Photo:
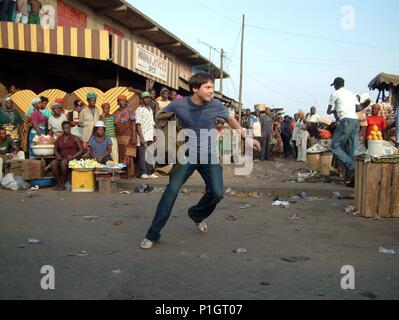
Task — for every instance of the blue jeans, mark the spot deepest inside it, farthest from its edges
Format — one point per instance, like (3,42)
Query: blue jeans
(213,177)
(347,131)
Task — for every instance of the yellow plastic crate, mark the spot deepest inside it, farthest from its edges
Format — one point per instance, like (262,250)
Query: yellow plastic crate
(83,181)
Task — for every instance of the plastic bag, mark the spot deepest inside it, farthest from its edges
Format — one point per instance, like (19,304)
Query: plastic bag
(14,183)
(361,150)
(388,149)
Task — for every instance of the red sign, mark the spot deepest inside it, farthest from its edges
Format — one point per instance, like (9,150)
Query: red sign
(114,31)
(69,16)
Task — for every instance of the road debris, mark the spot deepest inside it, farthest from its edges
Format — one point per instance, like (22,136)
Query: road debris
(124,192)
(118,222)
(240,251)
(92,218)
(34,241)
(295,259)
(265,283)
(387,251)
(118,271)
(352,210)
(296,217)
(233,217)
(282,204)
(110,252)
(83,253)
(337,195)
(369,295)
(245,205)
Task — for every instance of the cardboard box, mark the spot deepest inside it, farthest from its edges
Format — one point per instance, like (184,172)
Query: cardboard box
(32,169)
(15,168)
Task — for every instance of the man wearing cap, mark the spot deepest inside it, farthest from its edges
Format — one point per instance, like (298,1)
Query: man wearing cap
(343,104)
(88,117)
(145,135)
(163,100)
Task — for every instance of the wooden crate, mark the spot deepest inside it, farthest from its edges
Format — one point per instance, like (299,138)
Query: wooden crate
(377,189)
(107,181)
(106,185)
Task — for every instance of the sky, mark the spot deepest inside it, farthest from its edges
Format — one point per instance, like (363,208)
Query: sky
(293,49)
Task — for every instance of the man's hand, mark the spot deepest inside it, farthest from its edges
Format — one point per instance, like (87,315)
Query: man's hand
(9,156)
(253,143)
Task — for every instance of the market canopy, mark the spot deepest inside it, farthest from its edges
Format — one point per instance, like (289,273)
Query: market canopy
(384,81)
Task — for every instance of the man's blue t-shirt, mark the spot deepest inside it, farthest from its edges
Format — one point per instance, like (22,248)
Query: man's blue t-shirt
(201,120)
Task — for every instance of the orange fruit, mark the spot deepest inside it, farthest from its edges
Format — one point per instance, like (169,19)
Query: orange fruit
(375,128)
(370,137)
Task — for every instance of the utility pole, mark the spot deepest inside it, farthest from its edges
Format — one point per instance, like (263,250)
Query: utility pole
(221,71)
(241,68)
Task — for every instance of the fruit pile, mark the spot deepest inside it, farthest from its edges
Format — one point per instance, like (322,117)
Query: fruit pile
(84,164)
(375,134)
(43,139)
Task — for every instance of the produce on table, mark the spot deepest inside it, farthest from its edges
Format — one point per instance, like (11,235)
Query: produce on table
(375,134)
(42,139)
(84,164)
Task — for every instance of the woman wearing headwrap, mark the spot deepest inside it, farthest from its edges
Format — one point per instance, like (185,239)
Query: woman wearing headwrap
(38,122)
(126,133)
(56,120)
(43,108)
(88,117)
(10,119)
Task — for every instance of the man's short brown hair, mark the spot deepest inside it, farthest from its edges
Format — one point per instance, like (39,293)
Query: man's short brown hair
(199,79)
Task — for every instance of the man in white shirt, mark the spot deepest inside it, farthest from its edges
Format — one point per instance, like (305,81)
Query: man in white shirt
(343,105)
(313,127)
(145,135)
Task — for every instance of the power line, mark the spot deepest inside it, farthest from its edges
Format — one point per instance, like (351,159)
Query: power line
(368,65)
(297,34)
(215,12)
(322,38)
(234,46)
(275,90)
(260,57)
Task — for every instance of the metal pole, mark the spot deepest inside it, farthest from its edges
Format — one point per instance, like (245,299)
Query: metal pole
(117,76)
(221,71)
(241,68)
